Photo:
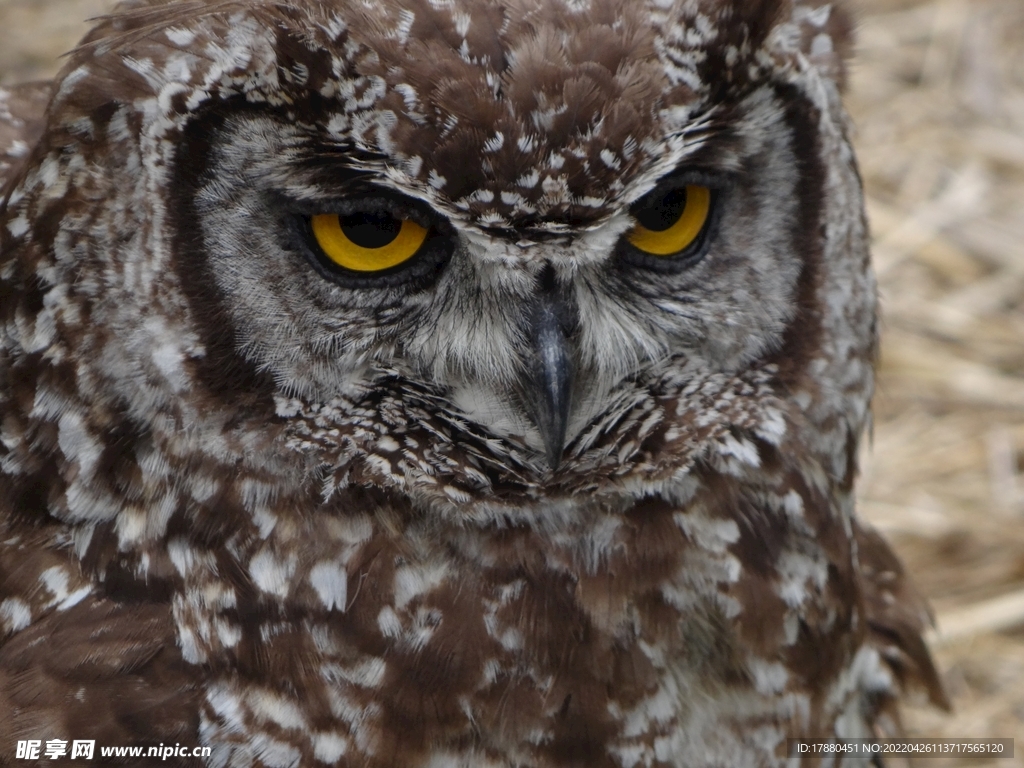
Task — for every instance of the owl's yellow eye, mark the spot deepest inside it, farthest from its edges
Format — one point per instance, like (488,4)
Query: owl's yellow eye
(367,241)
(671,223)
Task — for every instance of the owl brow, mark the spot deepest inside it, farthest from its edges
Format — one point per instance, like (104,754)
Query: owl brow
(334,167)
(704,174)
(709,138)
(715,160)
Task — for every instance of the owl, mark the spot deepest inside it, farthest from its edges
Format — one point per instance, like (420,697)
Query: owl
(442,384)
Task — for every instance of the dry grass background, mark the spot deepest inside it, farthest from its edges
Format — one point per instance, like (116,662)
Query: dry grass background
(938,98)
(937,93)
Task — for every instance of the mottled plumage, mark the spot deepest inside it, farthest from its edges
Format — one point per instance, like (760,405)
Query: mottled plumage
(313,519)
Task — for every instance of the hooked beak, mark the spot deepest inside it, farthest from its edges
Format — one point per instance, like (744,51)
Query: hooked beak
(552,366)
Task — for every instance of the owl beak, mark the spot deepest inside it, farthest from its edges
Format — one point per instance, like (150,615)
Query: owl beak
(552,367)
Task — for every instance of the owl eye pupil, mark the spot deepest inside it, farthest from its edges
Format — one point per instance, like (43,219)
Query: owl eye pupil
(663,212)
(370,230)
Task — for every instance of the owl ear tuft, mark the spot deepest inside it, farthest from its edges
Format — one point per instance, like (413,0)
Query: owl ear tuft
(826,36)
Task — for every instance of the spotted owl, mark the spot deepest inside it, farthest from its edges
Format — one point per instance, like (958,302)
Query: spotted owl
(442,384)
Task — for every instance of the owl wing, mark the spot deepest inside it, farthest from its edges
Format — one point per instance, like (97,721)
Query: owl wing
(22,111)
(74,662)
(100,670)
(897,616)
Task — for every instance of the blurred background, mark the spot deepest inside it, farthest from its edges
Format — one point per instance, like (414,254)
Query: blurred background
(937,96)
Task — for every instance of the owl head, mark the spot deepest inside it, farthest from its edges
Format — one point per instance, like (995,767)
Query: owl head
(505,244)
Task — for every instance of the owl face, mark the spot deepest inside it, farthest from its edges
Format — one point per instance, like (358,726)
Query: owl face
(533,218)
(526,299)
(528,335)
